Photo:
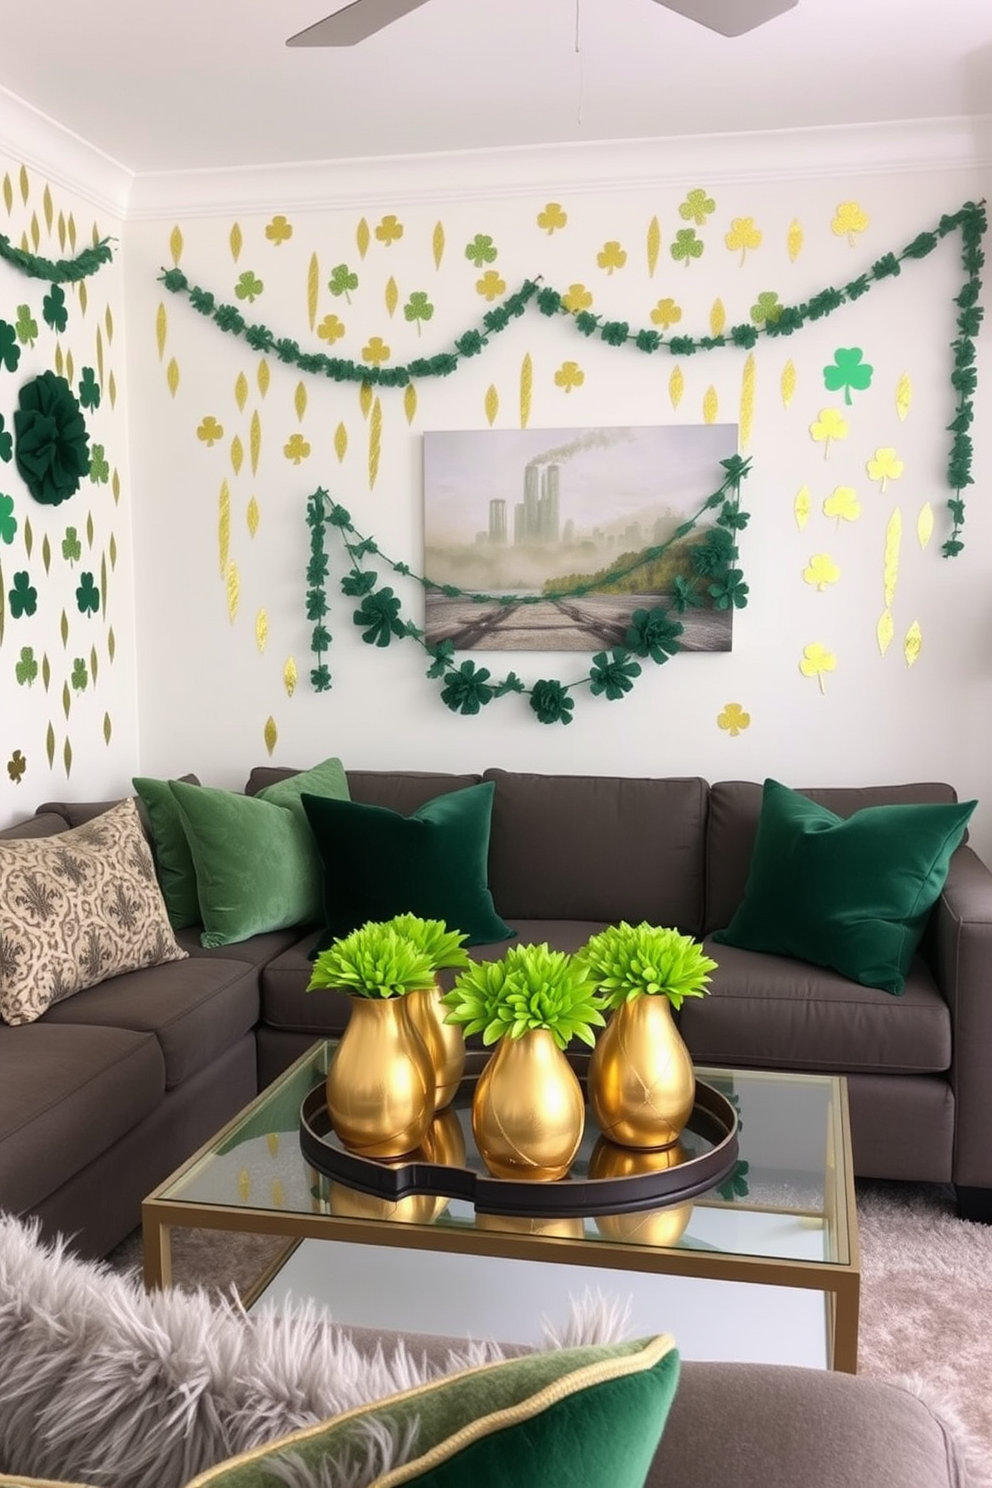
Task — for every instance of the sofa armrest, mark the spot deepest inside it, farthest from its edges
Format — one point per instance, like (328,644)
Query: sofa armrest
(958,947)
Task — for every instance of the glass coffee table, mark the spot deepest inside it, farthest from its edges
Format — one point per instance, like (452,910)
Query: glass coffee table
(763,1266)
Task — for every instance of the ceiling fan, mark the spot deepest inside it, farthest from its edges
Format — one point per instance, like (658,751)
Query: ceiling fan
(362,18)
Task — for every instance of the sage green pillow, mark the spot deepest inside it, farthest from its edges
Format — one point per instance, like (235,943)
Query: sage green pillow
(174,864)
(434,863)
(851,893)
(257,868)
(589,1415)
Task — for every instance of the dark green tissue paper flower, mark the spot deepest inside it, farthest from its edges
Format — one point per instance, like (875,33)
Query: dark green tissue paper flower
(52,445)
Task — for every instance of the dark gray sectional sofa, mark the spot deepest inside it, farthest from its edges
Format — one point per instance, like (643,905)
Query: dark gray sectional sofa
(113,1087)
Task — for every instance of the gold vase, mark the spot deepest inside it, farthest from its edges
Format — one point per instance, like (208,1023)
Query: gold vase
(561,1226)
(527,1110)
(380,1083)
(445,1140)
(445,1042)
(662,1226)
(641,1084)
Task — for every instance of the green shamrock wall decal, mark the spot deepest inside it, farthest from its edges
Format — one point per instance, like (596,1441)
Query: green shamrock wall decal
(26,669)
(6,442)
(342,281)
(848,370)
(87,595)
(8,522)
(23,597)
(89,389)
(10,352)
(53,309)
(27,326)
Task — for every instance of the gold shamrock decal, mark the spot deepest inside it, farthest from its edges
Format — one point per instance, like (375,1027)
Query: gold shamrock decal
(885,466)
(331,329)
(376,351)
(210,431)
(843,504)
(491,286)
(390,230)
(733,719)
(831,424)
(552,217)
(577,297)
(569,375)
(822,571)
(296,448)
(611,257)
(279,230)
(849,221)
(816,662)
(666,313)
(743,235)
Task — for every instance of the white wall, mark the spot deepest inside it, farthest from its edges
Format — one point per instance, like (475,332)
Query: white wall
(208,686)
(60,739)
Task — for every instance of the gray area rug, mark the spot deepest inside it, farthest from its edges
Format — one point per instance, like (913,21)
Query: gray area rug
(926,1301)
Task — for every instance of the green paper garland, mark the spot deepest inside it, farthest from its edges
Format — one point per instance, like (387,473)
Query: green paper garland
(652,635)
(61,271)
(970,219)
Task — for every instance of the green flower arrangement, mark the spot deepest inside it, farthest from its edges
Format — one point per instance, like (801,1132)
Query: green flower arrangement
(373,961)
(630,961)
(531,986)
(443,947)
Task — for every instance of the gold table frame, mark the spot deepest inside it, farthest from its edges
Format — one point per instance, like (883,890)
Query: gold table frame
(839,1279)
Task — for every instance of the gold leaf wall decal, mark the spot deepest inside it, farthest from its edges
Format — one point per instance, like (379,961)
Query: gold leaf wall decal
(237,454)
(362,238)
(290,677)
(913,643)
(83,295)
(300,400)
(893,540)
(108,728)
(48,208)
(264,377)
(161,329)
(252,516)
(111,643)
(794,239)
(172,376)
(50,745)
(46,553)
(113,551)
(313,289)
(224,526)
(711,405)
(28,536)
(237,241)
(653,245)
(71,230)
(802,507)
(375,441)
(255,441)
(340,442)
(46,670)
(270,734)
(94,664)
(99,356)
(112,390)
(69,367)
(59,361)
(526,389)
(8,192)
(35,231)
(24,243)
(492,404)
(115,480)
(66,699)
(108,321)
(924,525)
(25,185)
(89,529)
(233,586)
(392,295)
(747,400)
(904,395)
(241,391)
(788,382)
(437,244)
(884,631)
(67,757)
(410,402)
(261,629)
(365,398)
(176,245)
(676,386)
(61,231)
(718,318)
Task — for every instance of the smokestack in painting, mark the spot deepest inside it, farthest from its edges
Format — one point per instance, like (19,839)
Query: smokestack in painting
(548,515)
(532,480)
(497,520)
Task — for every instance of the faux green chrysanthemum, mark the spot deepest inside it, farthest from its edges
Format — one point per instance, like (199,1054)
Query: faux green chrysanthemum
(444,947)
(628,961)
(530,987)
(373,961)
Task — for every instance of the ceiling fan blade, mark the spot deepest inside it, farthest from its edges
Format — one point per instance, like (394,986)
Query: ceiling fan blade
(730,17)
(353,23)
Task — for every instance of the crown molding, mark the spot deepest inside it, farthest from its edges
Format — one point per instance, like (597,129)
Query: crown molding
(64,159)
(599,168)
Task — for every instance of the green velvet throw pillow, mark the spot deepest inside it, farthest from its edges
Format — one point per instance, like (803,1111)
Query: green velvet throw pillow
(173,860)
(848,893)
(434,863)
(256,865)
(592,1415)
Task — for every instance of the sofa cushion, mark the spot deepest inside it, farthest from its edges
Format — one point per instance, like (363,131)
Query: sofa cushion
(400,790)
(852,893)
(75,908)
(67,1094)
(173,860)
(773,1012)
(590,847)
(196,1010)
(46,822)
(732,825)
(434,862)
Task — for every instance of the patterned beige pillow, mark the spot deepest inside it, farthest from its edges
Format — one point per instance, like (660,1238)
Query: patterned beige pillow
(77,908)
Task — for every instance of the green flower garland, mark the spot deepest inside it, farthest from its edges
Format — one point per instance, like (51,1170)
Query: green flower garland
(971,220)
(654,634)
(60,271)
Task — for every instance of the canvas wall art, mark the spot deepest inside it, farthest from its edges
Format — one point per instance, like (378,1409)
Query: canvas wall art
(521,515)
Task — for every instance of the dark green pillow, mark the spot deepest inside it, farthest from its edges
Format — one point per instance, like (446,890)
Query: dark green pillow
(591,1415)
(434,863)
(848,893)
(256,865)
(173,860)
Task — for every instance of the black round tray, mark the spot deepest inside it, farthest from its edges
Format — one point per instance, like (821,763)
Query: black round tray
(713,1121)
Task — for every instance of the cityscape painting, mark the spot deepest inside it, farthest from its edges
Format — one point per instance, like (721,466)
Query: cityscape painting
(523,514)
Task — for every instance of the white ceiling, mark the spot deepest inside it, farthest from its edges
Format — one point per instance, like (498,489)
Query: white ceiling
(211,83)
